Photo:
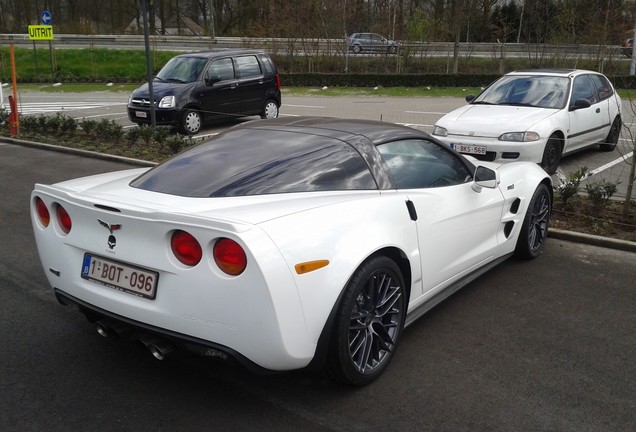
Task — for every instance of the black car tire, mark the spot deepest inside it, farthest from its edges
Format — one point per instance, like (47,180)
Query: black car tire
(551,155)
(270,109)
(534,230)
(392,49)
(357,49)
(612,137)
(191,122)
(368,323)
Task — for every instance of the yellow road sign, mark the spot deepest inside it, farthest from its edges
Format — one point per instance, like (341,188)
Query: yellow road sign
(40,32)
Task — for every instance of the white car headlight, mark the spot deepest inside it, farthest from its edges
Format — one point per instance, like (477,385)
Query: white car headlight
(166,102)
(439,131)
(520,136)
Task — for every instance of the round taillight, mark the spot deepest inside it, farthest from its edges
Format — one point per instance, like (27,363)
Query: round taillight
(186,248)
(43,212)
(230,256)
(64,219)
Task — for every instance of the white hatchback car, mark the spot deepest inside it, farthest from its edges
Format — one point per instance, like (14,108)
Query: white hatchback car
(537,116)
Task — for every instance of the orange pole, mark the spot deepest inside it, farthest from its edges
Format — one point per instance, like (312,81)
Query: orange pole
(15,87)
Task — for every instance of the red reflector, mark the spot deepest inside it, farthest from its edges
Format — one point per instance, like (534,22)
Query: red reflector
(64,219)
(186,248)
(230,256)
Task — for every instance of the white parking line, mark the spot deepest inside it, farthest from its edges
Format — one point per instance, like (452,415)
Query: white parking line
(611,164)
(426,112)
(48,107)
(305,106)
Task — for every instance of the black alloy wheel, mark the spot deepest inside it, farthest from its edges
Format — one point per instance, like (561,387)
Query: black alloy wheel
(534,230)
(368,324)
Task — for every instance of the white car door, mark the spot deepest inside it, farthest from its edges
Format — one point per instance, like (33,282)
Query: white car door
(587,125)
(457,227)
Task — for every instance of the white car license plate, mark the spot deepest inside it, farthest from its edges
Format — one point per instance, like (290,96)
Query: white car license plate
(470,149)
(141,114)
(120,276)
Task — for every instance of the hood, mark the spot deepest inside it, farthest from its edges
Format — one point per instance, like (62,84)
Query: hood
(492,120)
(161,89)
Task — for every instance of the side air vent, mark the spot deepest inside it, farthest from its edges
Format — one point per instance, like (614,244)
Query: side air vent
(508,228)
(514,208)
(107,208)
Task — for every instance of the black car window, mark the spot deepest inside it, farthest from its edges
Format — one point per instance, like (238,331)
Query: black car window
(417,163)
(603,86)
(267,64)
(245,162)
(222,69)
(182,69)
(583,88)
(248,66)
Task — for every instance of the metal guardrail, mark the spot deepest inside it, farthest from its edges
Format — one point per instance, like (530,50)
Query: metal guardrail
(310,46)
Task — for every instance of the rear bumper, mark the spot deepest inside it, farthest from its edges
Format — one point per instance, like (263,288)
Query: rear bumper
(135,330)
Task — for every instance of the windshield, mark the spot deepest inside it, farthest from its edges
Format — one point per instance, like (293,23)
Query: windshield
(529,90)
(182,69)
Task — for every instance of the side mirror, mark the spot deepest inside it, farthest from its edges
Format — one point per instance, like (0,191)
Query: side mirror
(470,98)
(485,178)
(210,80)
(580,103)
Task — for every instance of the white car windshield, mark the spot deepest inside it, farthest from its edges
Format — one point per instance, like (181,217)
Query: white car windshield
(531,91)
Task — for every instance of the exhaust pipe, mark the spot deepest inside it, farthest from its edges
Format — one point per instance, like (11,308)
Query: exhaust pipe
(108,328)
(159,348)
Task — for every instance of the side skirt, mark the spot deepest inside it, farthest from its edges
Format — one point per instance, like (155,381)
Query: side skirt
(450,290)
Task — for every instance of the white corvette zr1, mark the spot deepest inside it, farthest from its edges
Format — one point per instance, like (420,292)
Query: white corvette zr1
(287,243)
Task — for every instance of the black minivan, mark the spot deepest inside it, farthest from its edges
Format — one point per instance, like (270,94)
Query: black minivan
(192,89)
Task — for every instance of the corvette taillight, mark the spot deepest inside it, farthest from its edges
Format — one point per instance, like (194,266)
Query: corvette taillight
(186,248)
(64,220)
(230,256)
(43,212)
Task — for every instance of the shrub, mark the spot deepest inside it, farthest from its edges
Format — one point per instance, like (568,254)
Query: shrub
(570,187)
(68,125)
(600,193)
(88,126)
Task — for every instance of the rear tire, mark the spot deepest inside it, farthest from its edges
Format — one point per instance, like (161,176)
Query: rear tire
(270,110)
(612,137)
(551,155)
(534,230)
(368,323)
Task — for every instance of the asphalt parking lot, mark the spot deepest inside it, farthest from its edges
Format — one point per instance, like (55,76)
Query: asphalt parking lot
(546,345)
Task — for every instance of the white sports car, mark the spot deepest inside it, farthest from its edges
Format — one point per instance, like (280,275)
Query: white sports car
(537,116)
(286,243)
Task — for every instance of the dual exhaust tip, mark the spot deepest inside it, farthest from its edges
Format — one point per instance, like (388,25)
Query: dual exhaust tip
(159,348)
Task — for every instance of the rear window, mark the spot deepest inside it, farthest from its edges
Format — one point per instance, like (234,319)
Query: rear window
(246,162)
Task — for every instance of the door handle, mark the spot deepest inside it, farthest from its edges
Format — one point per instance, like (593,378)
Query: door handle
(598,110)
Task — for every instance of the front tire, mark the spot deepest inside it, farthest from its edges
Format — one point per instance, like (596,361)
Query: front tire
(191,122)
(368,323)
(357,49)
(534,230)
(551,155)
(270,110)
(392,49)
(612,137)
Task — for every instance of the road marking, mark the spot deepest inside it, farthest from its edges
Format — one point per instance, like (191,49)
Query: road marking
(610,164)
(425,112)
(48,107)
(305,106)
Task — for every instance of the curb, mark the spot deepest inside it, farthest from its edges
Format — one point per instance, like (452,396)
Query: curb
(593,240)
(572,236)
(78,152)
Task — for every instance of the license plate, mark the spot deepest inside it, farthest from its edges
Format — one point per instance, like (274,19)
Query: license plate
(470,149)
(141,114)
(123,277)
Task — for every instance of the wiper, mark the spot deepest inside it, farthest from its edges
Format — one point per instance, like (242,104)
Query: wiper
(160,79)
(176,80)
(519,104)
(482,103)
